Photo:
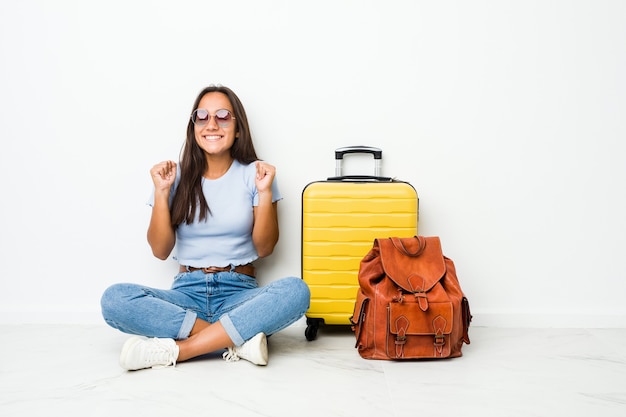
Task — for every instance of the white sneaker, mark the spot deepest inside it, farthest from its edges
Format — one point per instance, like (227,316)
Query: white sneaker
(141,352)
(254,350)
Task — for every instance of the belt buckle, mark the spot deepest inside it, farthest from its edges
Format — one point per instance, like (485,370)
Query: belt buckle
(214,269)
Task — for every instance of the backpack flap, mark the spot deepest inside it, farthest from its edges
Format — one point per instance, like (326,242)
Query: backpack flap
(415,333)
(405,319)
(415,264)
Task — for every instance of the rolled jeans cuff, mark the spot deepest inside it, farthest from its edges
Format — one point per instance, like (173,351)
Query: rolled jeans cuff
(187,326)
(228,326)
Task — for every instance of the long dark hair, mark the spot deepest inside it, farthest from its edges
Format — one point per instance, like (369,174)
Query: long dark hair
(193,162)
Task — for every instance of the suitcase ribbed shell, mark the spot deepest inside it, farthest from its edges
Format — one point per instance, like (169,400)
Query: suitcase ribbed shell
(340,220)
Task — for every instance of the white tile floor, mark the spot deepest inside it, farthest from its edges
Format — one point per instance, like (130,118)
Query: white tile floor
(72,370)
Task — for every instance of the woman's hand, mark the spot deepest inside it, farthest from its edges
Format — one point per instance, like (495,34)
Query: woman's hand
(264,176)
(163,175)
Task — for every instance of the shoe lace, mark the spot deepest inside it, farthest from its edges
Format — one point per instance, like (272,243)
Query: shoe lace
(161,352)
(231,355)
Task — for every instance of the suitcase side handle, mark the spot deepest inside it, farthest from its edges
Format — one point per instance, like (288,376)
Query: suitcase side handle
(375,152)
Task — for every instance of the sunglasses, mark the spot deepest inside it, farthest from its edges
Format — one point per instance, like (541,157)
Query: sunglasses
(223,117)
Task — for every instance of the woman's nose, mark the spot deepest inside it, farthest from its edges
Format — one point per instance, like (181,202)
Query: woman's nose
(212,123)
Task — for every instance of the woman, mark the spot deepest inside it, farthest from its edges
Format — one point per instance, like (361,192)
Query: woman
(219,208)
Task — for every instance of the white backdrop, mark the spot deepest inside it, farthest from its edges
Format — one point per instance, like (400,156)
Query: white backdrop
(506,116)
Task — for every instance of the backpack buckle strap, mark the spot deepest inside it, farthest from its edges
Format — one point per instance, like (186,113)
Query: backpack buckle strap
(402,324)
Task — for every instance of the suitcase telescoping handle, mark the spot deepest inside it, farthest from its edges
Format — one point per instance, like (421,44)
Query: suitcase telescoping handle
(375,152)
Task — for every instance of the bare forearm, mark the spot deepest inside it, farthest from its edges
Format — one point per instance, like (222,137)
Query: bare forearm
(161,236)
(265,231)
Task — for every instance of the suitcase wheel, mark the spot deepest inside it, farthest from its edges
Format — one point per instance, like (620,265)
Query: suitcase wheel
(312,326)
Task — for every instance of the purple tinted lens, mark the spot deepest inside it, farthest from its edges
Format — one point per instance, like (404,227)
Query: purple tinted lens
(222,116)
(200,116)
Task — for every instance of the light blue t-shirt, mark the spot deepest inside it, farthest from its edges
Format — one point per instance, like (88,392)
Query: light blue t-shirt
(225,237)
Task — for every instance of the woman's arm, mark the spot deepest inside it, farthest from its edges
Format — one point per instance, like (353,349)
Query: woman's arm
(265,229)
(161,235)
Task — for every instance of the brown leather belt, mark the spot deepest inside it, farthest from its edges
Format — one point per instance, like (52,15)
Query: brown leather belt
(247,269)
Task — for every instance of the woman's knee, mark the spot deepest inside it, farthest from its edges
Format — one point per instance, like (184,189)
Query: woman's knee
(298,291)
(114,296)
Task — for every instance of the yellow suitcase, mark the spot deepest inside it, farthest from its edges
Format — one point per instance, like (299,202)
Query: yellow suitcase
(341,217)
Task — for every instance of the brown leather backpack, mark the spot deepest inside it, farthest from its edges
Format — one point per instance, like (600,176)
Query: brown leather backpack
(409,304)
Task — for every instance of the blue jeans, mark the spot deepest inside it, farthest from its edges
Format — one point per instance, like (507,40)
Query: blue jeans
(242,307)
